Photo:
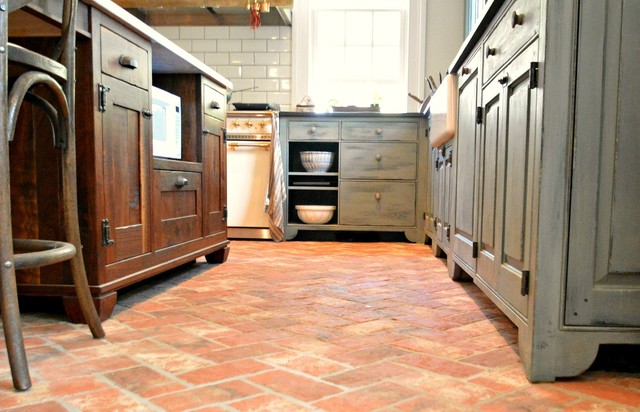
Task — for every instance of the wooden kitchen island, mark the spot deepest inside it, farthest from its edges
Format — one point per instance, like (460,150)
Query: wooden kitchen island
(139,215)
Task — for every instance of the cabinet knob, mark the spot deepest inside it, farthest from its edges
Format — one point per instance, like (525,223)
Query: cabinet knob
(181,182)
(465,71)
(215,105)
(378,131)
(378,196)
(516,19)
(491,51)
(147,113)
(313,130)
(378,157)
(128,62)
(504,80)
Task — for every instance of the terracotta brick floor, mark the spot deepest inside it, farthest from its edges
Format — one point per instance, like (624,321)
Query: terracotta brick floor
(299,326)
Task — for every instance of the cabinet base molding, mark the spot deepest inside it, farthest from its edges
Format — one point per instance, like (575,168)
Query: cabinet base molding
(219,256)
(104,305)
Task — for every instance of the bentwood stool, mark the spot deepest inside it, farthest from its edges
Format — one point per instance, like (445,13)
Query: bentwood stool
(57,74)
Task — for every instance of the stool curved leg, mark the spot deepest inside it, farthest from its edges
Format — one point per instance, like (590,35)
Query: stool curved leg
(9,294)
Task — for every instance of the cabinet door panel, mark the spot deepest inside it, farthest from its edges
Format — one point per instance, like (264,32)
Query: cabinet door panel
(179,210)
(215,176)
(377,203)
(603,277)
(378,161)
(126,166)
(488,180)
(464,202)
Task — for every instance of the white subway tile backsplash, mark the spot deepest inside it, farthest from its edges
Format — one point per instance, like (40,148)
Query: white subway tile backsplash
(216,59)
(206,46)
(269,59)
(230,71)
(285,59)
(285,32)
(216,32)
(241,32)
(279,72)
(254,45)
(241,58)
(285,85)
(256,72)
(268,32)
(279,45)
(199,56)
(191,32)
(229,45)
(184,44)
(267,85)
(254,97)
(241,84)
(279,97)
(170,32)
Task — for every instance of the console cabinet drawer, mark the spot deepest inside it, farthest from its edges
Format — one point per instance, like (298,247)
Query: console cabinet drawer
(379,131)
(314,130)
(125,60)
(178,205)
(378,161)
(369,203)
(214,102)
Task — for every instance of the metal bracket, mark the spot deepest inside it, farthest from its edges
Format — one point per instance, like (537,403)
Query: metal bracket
(106,233)
(479,115)
(225,213)
(524,285)
(102,97)
(533,75)
(474,250)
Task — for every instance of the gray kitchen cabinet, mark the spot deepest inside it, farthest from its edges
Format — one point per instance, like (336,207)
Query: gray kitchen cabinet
(437,226)
(373,181)
(464,240)
(556,176)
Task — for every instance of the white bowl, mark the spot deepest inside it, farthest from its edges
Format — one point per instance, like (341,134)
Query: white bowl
(316,162)
(316,215)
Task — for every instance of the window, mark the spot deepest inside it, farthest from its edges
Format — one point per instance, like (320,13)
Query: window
(358,53)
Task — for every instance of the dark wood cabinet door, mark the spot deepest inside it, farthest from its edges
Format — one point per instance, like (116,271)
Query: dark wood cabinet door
(215,176)
(125,149)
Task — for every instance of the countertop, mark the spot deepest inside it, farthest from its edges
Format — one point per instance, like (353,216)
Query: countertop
(340,115)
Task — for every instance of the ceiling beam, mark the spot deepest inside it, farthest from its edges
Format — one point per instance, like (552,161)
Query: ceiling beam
(202,17)
(151,4)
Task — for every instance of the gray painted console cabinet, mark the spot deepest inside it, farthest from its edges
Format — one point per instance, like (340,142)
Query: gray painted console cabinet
(379,164)
(545,181)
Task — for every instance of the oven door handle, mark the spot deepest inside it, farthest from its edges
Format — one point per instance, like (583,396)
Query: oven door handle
(261,145)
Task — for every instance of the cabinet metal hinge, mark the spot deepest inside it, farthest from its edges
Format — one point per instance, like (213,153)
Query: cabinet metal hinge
(224,213)
(224,135)
(479,115)
(424,215)
(447,232)
(533,75)
(524,285)
(426,132)
(474,250)
(102,97)
(106,233)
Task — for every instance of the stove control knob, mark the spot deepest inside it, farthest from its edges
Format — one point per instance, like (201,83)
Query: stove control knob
(249,124)
(236,123)
(263,124)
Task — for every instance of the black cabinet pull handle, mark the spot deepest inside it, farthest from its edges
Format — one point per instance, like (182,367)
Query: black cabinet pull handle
(147,113)
(516,19)
(491,51)
(128,62)
(215,105)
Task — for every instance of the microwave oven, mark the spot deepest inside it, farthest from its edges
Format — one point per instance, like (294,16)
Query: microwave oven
(167,124)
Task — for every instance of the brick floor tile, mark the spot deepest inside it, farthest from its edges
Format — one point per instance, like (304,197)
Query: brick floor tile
(372,326)
(222,371)
(591,406)
(144,381)
(504,356)
(106,401)
(369,355)
(268,403)
(296,386)
(241,352)
(264,335)
(366,375)
(309,365)
(443,350)
(431,403)
(50,406)
(367,399)
(441,366)
(205,395)
(602,390)
(542,398)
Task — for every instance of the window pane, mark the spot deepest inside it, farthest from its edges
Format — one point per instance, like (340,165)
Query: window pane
(386,63)
(359,26)
(330,28)
(357,62)
(387,28)
(329,63)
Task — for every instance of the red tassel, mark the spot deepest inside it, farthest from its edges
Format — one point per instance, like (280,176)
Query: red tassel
(254,18)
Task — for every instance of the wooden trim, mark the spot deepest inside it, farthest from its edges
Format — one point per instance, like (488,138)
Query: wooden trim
(195,3)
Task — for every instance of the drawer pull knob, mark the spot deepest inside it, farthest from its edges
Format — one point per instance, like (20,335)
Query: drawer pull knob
(503,80)
(491,51)
(378,196)
(128,62)
(181,182)
(313,130)
(516,19)
(466,70)
(378,157)
(215,105)
(378,131)
(146,113)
